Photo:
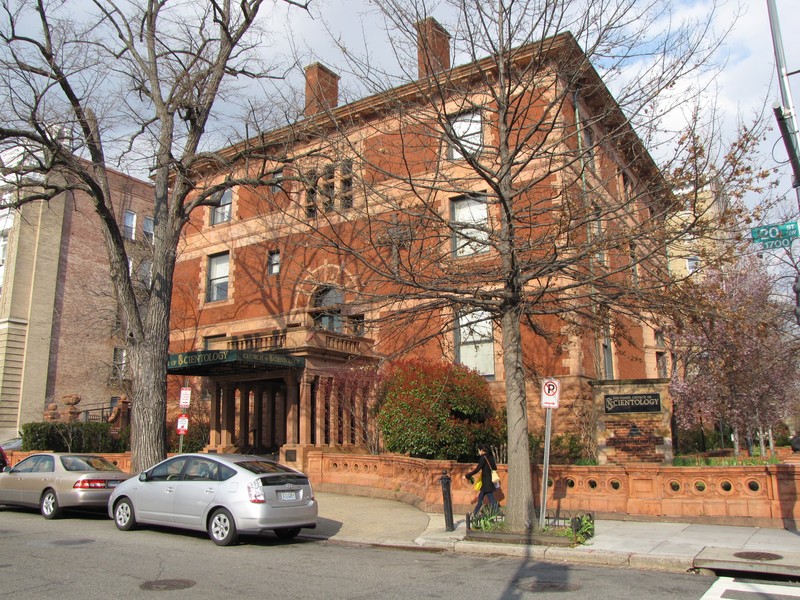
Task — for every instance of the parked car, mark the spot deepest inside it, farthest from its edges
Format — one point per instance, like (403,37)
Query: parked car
(12,444)
(54,481)
(223,494)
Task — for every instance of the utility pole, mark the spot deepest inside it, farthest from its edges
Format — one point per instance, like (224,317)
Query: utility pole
(784,111)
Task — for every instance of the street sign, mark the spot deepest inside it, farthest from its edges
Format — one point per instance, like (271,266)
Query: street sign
(551,391)
(183,424)
(186,397)
(780,235)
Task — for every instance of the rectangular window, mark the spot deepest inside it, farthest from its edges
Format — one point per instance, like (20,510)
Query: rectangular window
(217,288)
(147,229)
(222,212)
(587,136)
(119,367)
(215,342)
(692,264)
(661,364)
(311,194)
(608,355)
(328,188)
(129,225)
(274,262)
(475,342)
(145,274)
(276,183)
(347,184)
(466,138)
(470,224)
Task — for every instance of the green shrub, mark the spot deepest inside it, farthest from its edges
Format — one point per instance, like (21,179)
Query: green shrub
(565,449)
(195,439)
(435,410)
(69,437)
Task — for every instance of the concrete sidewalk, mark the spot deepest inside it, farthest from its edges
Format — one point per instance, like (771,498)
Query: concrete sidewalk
(677,547)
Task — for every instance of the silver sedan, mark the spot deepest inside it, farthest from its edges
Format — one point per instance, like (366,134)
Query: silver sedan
(223,494)
(53,481)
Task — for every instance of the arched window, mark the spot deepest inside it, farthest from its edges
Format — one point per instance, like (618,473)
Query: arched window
(329,300)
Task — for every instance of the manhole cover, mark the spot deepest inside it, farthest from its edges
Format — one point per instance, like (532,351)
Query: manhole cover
(70,542)
(548,586)
(757,555)
(166,585)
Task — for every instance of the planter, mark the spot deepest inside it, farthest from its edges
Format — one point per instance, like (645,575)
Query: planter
(533,539)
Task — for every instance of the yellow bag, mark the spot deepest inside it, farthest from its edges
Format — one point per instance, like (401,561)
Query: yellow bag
(477,485)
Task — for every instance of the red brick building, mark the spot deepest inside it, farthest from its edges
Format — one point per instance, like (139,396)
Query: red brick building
(366,231)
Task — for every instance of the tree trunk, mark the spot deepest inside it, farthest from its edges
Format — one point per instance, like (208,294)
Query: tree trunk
(520,511)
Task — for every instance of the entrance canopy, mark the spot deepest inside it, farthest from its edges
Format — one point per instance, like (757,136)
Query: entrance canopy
(212,363)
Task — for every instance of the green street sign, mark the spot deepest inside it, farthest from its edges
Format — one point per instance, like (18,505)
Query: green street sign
(775,236)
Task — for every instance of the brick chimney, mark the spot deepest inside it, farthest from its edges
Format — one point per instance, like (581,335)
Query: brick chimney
(433,47)
(322,89)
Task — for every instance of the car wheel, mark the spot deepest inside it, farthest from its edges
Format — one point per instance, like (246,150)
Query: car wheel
(221,528)
(124,517)
(49,505)
(287,533)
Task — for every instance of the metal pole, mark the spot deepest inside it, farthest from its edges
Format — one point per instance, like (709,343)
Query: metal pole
(785,112)
(447,502)
(545,466)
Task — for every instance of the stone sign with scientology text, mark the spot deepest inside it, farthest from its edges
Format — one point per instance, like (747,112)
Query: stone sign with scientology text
(632,403)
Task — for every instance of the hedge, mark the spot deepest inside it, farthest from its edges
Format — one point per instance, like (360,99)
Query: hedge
(70,437)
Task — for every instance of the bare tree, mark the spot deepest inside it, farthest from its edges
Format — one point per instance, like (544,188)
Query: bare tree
(513,191)
(130,85)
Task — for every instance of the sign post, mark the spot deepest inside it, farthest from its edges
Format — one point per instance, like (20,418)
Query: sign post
(551,393)
(183,427)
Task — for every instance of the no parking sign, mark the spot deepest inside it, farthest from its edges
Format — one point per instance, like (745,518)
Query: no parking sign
(551,391)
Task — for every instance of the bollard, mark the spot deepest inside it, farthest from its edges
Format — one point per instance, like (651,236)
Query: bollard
(447,501)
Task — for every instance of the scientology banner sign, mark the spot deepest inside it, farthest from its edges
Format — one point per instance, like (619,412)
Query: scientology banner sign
(631,403)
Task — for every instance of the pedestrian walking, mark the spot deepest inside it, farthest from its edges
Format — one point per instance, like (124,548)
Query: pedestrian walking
(486,464)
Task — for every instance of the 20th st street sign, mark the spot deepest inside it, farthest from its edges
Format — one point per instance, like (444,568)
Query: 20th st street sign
(780,235)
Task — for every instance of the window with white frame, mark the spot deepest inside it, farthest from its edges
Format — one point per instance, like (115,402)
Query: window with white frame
(474,342)
(467,135)
(692,264)
(274,262)
(217,284)
(470,223)
(147,229)
(222,212)
(129,225)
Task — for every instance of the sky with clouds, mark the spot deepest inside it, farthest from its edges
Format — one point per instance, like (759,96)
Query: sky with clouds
(746,85)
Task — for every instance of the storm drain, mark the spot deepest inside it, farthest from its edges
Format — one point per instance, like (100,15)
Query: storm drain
(167,585)
(548,586)
(757,556)
(79,542)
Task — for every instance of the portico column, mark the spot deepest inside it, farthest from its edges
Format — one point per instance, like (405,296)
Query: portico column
(228,414)
(320,414)
(213,418)
(293,411)
(258,407)
(244,416)
(280,418)
(305,409)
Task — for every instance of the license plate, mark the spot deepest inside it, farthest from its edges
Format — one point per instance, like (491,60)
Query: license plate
(112,483)
(288,495)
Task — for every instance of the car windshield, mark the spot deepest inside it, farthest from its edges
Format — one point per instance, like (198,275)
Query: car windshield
(263,466)
(87,463)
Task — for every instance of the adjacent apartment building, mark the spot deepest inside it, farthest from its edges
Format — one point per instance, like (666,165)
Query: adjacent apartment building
(397,225)
(59,329)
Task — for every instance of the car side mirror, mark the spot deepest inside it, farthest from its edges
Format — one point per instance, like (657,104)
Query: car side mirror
(6,469)
(143,476)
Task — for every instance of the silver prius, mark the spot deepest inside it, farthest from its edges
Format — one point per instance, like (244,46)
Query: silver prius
(223,494)
(53,481)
